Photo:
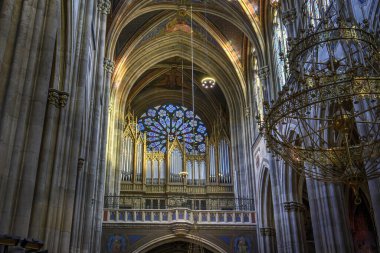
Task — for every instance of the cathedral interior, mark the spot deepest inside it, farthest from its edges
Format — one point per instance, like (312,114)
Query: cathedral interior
(190,126)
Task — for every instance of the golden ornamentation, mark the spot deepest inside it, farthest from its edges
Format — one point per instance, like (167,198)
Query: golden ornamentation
(326,121)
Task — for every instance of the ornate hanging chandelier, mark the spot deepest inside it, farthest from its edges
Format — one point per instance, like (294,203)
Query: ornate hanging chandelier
(326,121)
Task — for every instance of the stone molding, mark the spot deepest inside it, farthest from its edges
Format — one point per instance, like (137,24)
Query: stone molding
(247,111)
(267,231)
(109,65)
(289,16)
(263,73)
(57,98)
(293,206)
(104,7)
(80,163)
(180,229)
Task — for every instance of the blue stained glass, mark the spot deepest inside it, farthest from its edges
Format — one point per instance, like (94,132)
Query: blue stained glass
(189,135)
(153,128)
(178,123)
(162,112)
(189,114)
(170,108)
(193,123)
(201,129)
(198,138)
(187,129)
(163,124)
(148,121)
(179,114)
(184,125)
(166,121)
(151,112)
(156,124)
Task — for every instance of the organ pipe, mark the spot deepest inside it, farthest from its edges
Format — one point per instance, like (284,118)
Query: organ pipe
(140,158)
(158,168)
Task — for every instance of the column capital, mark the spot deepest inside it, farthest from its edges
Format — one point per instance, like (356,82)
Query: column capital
(57,98)
(293,206)
(63,99)
(289,16)
(109,65)
(263,73)
(53,97)
(104,6)
(267,231)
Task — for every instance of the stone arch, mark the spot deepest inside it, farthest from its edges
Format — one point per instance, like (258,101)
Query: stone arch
(171,238)
(304,200)
(362,225)
(267,238)
(128,11)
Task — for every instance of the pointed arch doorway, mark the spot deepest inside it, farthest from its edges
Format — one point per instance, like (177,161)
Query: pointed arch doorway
(183,244)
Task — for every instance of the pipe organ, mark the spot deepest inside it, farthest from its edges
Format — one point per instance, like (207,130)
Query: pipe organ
(148,173)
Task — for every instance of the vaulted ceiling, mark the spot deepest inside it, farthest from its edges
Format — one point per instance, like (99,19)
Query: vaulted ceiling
(158,58)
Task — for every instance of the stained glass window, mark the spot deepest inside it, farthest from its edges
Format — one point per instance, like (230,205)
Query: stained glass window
(169,121)
(315,10)
(280,49)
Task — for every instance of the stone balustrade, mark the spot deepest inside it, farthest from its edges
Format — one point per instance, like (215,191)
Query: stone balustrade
(194,189)
(168,216)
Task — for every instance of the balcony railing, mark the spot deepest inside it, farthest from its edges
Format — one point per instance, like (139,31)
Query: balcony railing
(179,215)
(190,189)
(133,202)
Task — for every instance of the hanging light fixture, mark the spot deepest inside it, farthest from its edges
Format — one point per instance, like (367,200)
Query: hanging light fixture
(207,82)
(326,121)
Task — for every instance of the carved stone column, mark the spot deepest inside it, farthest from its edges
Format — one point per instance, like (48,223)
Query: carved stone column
(329,214)
(295,236)
(374,190)
(288,18)
(263,74)
(56,100)
(109,67)
(95,173)
(269,239)
(23,112)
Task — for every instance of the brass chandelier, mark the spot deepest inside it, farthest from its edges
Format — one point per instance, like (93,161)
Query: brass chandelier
(326,121)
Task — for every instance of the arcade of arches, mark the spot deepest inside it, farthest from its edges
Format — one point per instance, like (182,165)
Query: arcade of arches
(111,142)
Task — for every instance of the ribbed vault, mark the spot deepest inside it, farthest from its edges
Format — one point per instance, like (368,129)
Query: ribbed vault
(158,59)
(140,62)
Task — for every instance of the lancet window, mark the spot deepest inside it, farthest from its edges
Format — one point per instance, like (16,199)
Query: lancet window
(280,48)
